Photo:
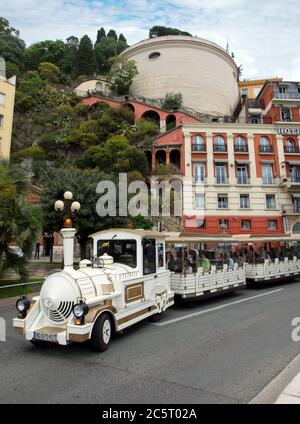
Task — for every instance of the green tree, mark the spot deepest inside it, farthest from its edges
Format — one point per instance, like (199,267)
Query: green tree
(12,48)
(105,49)
(100,34)
(46,51)
(172,101)
(115,156)
(141,221)
(19,221)
(112,34)
(6,29)
(86,59)
(160,31)
(121,74)
(83,185)
(49,72)
(69,63)
(122,43)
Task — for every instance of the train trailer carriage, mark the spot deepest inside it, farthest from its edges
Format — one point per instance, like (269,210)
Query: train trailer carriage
(204,266)
(271,259)
(125,283)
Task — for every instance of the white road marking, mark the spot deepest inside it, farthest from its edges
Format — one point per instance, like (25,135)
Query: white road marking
(172,321)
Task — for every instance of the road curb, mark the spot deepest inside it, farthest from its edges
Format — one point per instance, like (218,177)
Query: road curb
(291,394)
(278,386)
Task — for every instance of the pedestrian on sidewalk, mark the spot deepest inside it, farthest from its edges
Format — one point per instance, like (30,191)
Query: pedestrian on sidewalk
(37,250)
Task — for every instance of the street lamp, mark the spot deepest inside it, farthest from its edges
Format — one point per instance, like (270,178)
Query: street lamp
(68,207)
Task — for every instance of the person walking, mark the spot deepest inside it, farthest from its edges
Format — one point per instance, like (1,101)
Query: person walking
(37,250)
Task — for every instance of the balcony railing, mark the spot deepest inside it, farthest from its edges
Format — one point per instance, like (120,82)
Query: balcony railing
(266,149)
(268,181)
(241,148)
(243,180)
(287,95)
(220,148)
(198,148)
(291,149)
(296,209)
(199,180)
(221,180)
(295,178)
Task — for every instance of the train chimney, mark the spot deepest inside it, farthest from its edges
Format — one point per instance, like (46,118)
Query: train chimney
(68,244)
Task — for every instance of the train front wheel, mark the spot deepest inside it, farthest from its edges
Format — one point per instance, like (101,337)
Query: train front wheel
(102,332)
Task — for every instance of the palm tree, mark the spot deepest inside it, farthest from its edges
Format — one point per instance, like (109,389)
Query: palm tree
(19,221)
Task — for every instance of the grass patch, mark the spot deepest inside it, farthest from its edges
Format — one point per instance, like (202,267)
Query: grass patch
(18,290)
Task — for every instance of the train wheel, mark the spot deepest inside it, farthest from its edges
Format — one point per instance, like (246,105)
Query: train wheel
(101,334)
(156,317)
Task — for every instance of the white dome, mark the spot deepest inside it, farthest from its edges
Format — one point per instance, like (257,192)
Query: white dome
(202,71)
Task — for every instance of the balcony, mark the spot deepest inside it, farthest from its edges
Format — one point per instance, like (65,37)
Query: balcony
(221,180)
(199,180)
(296,208)
(220,148)
(288,95)
(241,148)
(295,178)
(291,149)
(198,147)
(266,149)
(268,181)
(243,180)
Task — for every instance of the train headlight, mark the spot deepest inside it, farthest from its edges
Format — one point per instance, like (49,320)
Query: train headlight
(80,310)
(22,306)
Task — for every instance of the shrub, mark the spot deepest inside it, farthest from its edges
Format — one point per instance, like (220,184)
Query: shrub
(172,101)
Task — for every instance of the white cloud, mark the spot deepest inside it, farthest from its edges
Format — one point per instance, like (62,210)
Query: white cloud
(263,35)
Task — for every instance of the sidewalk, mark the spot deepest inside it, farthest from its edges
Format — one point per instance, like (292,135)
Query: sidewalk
(291,394)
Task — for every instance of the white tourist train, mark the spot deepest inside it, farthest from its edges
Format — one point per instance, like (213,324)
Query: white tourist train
(108,294)
(136,274)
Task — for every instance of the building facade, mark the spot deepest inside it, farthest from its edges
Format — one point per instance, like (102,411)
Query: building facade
(7,99)
(239,153)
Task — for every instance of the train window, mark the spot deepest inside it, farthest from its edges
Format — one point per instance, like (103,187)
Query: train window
(161,256)
(123,251)
(149,256)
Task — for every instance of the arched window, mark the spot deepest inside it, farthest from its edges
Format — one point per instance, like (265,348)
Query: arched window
(198,143)
(265,145)
(290,146)
(219,144)
(240,144)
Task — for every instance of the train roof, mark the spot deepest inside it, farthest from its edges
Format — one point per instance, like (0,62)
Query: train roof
(135,232)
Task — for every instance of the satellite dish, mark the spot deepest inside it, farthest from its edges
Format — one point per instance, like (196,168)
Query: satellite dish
(2,68)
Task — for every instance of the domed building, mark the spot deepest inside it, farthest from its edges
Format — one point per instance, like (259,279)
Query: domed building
(203,72)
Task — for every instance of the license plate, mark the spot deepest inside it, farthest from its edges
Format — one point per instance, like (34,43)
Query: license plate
(45,337)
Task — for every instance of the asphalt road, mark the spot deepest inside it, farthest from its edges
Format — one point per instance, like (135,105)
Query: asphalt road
(223,350)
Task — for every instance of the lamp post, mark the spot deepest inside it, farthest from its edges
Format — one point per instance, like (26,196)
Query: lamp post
(68,208)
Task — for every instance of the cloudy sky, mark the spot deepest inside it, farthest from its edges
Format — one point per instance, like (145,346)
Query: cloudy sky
(263,34)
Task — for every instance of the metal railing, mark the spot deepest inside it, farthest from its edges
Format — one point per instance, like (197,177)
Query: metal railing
(199,180)
(220,148)
(266,149)
(268,181)
(242,148)
(221,180)
(287,95)
(295,178)
(243,180)
(291,149)
(198,147)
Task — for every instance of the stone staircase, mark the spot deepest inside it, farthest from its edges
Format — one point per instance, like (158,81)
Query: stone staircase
(171,223)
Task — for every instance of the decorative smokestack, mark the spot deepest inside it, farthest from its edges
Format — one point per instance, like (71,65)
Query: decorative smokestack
(68,235)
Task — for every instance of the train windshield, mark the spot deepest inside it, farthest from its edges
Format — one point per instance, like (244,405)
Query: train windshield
(123,251)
